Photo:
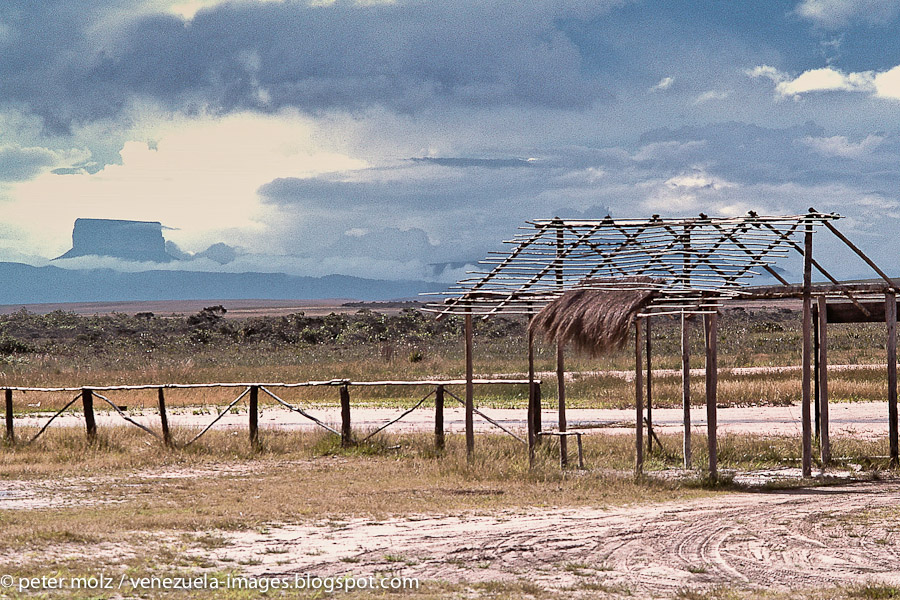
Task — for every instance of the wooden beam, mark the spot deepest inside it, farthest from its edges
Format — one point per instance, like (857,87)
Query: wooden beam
(346,425)
(10,432)
(638,401)
(532,409)
(686,386)
(87,401)
(765,292)
(439,442)
(824,436)
(561,391)
(649,390)
(861,254)
(711,322)
(470,390)
(815,375)
(805,412)
(891,320)
(163,417)
(254,416)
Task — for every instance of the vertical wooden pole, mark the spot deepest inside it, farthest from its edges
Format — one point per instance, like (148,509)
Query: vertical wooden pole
(686,386)
(890,313)
(817,417)
(561,387)
(824,437)
(470,391)
(254,416)
(532,408)
(10,432)
(538,400)
(90,425)
(649,390)
(711,322)
(163,418)
(439,418)
(807,351)
(638,401)
(346,429)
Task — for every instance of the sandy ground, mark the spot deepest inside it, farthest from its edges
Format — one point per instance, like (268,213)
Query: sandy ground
(815,537)
(859,419)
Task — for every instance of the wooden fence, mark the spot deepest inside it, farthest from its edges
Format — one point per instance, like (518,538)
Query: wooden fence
(251,391)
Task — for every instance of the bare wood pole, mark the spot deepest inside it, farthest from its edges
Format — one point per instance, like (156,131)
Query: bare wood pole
(87,401)
(824,438)
(807,351)
(254,416)
(470,391)
(710,326)
(649,392)
(439,418)
(561,391)
(346,427)
(861,254)
(816,378)
(686,386)
(10,432)
(638,401)
(163,418)
(532,408)
(890,314)
(560,362)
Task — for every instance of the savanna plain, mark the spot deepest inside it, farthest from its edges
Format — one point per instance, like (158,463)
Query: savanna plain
(124,506)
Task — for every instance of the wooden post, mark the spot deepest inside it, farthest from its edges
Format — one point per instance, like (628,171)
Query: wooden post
(686,386)
(649,391)
(710,322)
(816,378)
(890,314)
(638,401)
(532,409)
(561,387)
(538,400)
(439,418)
(163,418)
(824,437)
(470,391)
(10,432)
(807,351)
(346,430)
(254,416)
(87,400)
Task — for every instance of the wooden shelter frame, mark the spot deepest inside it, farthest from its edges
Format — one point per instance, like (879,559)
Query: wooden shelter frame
(695,266)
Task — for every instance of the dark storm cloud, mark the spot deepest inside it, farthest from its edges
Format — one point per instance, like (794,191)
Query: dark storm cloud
(75,61)
(20,164)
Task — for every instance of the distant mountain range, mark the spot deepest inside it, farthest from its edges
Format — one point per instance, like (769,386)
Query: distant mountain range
(25,284)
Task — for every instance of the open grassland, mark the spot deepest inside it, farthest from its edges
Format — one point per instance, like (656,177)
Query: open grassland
(64,349)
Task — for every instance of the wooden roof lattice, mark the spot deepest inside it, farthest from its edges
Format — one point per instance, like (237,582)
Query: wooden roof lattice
(693,263)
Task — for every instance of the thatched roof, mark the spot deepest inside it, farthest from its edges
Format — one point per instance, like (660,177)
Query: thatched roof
(596,320)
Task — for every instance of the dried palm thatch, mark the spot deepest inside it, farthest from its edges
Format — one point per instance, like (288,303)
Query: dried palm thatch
(596,320)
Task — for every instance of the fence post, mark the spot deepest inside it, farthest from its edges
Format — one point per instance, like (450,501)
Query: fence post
(537,413)
(163,418)
(346,433)
(10,434)
(254,416)
(439,418)
(87,400)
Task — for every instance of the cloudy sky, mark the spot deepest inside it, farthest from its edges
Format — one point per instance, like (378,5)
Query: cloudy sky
(374,138)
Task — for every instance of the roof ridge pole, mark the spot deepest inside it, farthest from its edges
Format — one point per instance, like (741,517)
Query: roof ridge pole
(807,350)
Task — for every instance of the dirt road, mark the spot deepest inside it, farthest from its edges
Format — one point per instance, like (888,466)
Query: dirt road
(816,537)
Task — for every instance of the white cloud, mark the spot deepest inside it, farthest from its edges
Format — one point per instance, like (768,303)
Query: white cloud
(833,14)
(840,146)
(884,84)
(199,176)
(711,95)
(664,84)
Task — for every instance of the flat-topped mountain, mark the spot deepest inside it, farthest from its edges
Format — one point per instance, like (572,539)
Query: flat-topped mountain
(129,240)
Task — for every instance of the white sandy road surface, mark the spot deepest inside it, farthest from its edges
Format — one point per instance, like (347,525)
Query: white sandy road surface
(816,537)
(860,419)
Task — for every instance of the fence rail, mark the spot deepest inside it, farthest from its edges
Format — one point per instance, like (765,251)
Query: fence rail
(250,391)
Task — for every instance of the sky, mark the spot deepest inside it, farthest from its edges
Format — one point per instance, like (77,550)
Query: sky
(379,138)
